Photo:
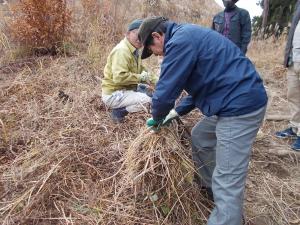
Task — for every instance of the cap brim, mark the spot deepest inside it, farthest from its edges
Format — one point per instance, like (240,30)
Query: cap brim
(146,53)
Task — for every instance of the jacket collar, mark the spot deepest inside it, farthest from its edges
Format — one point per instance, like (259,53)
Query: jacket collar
(234,11)
(230,9)
(169,33)
(129,45)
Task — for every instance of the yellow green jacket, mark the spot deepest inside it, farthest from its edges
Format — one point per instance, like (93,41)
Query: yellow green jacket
(123,70)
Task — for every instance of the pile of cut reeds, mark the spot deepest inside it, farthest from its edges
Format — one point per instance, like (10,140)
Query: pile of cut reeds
(158,176)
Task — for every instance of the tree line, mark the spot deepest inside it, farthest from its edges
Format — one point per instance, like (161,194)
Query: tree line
(276,17)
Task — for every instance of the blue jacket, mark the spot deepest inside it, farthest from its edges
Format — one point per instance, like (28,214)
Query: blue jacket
(219,79)
(240,27)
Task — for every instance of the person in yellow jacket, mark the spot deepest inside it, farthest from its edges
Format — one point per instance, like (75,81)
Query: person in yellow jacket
(125,86)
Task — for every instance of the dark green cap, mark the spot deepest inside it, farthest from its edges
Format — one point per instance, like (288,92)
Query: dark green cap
(135,24)
(146,29)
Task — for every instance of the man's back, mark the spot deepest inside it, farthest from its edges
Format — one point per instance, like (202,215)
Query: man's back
(212,69)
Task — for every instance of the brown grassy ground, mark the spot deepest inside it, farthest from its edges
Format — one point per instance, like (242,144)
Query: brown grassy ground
(58,146)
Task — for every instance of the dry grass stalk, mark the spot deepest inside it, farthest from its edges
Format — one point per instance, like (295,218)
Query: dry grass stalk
(4,135)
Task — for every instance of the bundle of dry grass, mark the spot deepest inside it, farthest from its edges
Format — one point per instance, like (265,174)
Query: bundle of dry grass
(158,179)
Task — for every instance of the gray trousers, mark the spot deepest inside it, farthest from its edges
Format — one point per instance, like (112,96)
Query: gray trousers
(221,152)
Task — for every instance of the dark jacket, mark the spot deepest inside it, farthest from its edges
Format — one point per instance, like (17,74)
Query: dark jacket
(289,44)
(240,27)
(218,77)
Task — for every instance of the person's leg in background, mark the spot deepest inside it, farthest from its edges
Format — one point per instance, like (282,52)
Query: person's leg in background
(293,95)
(124,102)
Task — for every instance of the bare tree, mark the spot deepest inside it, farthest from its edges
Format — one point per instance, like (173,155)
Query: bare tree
(265,14)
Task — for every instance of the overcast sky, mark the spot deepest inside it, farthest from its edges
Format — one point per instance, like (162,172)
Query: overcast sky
(250,5)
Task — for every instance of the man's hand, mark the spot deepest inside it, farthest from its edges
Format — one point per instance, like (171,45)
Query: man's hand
(154,124)
(172,115)
(145,77)
(154,79)
(149,78)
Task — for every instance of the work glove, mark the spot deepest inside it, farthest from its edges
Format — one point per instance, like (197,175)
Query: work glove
(154,124)
(154,79)
(171,116)
(145,77)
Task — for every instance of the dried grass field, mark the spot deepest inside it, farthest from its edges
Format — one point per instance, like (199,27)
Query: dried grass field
(63,161)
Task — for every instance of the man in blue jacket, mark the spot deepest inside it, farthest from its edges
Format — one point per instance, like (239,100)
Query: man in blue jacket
(225,86)
(234,23)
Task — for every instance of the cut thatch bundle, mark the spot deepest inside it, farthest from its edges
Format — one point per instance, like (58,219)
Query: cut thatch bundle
(158,171)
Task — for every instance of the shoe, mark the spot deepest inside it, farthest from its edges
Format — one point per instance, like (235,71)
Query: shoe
(296,144)
(287,133)
(118,115)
